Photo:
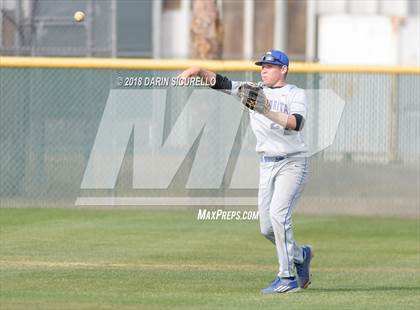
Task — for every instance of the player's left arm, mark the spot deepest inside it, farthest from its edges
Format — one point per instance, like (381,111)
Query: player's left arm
(296,119)
(288,121)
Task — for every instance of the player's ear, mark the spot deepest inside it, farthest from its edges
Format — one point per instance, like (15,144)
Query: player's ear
(284,69)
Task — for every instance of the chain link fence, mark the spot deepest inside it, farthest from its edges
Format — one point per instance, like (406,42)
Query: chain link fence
(46,28)
(50,119)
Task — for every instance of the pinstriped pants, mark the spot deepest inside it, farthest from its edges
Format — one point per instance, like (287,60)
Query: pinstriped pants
(281,184)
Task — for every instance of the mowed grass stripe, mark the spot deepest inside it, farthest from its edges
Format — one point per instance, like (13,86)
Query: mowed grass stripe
(205,267)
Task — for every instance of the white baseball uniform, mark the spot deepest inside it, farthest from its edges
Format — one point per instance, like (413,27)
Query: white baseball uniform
(281,180)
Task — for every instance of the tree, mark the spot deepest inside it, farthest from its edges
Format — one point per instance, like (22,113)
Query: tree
(206,30)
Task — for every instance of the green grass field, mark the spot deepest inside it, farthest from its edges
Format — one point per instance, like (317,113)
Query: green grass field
(138,259)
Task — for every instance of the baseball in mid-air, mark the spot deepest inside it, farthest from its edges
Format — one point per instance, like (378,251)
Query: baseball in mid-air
(79,16)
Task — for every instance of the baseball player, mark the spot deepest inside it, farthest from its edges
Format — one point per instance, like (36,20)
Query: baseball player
(277,114)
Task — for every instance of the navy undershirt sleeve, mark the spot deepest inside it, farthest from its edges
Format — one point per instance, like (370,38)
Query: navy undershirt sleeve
(299,121)
(222,82)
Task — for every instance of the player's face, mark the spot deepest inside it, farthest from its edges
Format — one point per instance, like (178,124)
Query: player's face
(273,75)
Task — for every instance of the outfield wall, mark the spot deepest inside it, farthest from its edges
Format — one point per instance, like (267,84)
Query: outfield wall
(51,109)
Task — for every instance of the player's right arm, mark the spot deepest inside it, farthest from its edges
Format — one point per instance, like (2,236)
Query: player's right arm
(215,81)
(206,75)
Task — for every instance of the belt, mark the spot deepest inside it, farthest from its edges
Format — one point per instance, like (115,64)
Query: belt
(270,159)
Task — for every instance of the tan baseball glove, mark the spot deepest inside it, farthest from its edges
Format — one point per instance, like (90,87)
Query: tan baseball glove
(252,96)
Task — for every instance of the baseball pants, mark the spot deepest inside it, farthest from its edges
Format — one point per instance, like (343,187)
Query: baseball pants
(281,184)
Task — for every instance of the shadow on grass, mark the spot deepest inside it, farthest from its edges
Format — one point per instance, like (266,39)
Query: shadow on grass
(367,289)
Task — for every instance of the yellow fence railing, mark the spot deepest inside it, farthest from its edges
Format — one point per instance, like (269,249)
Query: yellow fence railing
(180,64)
